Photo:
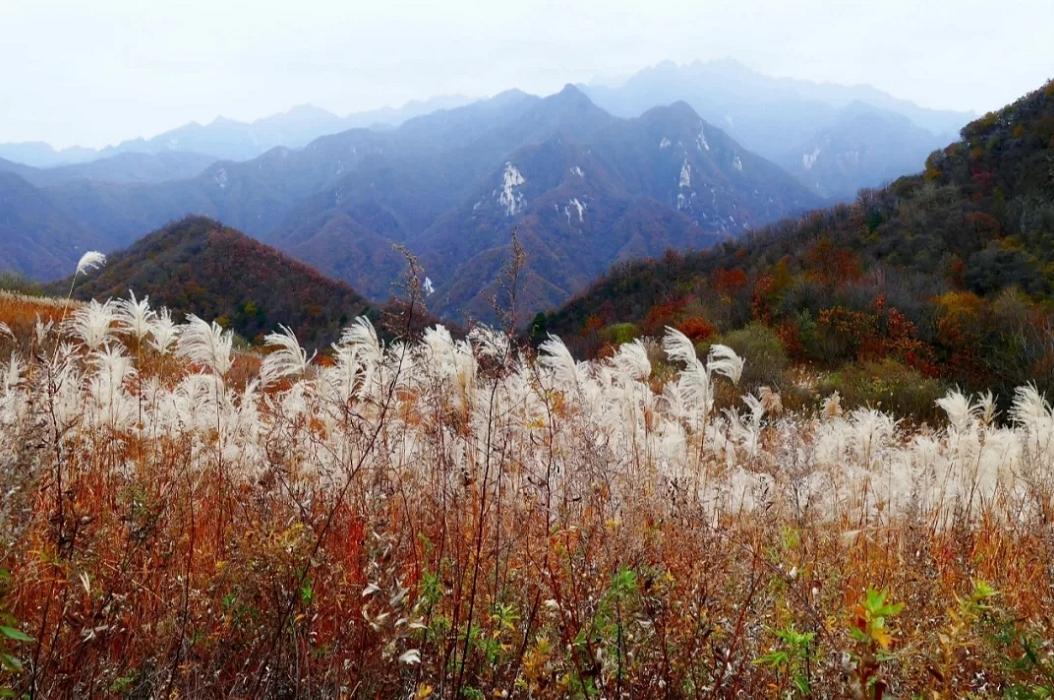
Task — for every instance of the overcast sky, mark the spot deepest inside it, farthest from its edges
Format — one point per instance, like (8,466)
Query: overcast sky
(94,72)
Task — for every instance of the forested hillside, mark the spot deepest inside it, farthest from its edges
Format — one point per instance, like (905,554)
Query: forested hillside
(198,266)
(948,274)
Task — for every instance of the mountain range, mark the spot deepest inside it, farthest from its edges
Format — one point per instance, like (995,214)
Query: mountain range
(229,139)
(124,168)
(836,138)
(585,178)
(946,273)
(581,188)
(950,272)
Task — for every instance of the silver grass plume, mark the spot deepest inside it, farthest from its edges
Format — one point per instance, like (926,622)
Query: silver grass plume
(957,407)
(287,360)
(206,344)
(678,347)
(724,360)
(91,260)
(134,316)
(363,336)
(985,408)
(693,386)
(1030,408)
(557,359)
(631,361)
(163,331)
(92,323)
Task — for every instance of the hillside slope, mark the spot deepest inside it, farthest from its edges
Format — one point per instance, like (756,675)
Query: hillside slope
(198,266)
(37,237)
(950,272)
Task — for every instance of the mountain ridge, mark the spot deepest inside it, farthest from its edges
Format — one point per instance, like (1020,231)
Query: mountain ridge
(949,272)
(292,128)
(450,179)
(772,116)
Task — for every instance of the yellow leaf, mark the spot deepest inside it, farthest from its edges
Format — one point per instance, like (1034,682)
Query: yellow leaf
(882,637)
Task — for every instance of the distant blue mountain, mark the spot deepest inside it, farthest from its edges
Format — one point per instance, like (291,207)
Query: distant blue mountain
(581,188)
(785,120)
(227,139)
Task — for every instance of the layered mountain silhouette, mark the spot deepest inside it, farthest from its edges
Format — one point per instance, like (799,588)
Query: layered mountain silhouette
(582,189)
(124,168)
(862,147)
(794,123)
(38,154)
(797,124)
(229,139)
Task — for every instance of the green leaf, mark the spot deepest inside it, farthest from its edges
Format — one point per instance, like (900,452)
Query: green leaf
(10,663)
(775,659)
(13,634)
(624,583)
(858,635)
(876,606)
(982,590)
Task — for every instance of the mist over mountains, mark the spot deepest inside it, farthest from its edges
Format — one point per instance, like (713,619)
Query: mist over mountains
(229,139)
(581,187)
(835,138)
(676,157)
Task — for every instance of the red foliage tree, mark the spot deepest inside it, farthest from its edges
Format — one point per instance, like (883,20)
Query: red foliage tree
(661,315)
(728,281)
(832,265)
(696,328)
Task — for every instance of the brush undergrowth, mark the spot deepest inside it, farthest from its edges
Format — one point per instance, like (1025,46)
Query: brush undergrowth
(466,518)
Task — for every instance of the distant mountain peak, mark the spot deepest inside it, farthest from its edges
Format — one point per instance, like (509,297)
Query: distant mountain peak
(221,120)
(783,119)
(570,109)
(570,95)
(678,113)
(302,113)
(308,108)
(572,90)
(510,94)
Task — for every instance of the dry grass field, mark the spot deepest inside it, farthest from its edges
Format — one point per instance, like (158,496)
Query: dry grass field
(467,518)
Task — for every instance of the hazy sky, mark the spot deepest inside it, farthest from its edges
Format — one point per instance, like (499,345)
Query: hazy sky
(94,72)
